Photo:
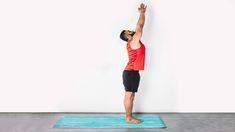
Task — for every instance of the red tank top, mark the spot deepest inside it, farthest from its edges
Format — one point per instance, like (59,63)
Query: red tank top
(136,57)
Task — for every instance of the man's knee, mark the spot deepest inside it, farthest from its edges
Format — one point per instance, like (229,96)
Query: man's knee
(130,95)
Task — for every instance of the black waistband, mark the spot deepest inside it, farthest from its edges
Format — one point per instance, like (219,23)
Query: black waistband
(132,70)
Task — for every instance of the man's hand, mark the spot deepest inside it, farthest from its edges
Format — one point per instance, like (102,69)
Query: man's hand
(142,8)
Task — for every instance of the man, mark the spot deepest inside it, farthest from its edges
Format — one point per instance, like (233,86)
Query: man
(136,55)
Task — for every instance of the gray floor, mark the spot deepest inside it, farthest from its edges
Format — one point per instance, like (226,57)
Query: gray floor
(176,122)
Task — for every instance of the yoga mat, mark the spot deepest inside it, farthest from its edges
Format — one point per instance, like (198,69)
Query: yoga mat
(108,121)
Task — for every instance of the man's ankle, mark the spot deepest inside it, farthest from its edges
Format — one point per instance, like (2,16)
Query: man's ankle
(128,117)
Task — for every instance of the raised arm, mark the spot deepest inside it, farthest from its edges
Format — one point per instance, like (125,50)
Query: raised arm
(139,26)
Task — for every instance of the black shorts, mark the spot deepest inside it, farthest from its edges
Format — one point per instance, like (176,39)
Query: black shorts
(131,80)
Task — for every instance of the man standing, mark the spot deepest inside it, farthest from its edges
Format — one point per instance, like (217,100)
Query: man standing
(136,55)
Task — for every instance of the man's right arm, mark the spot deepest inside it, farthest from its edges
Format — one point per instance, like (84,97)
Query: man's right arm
(139,27)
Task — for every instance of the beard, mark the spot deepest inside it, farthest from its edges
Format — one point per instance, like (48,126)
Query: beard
(132,34)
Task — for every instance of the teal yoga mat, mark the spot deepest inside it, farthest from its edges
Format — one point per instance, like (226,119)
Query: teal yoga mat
(108,121)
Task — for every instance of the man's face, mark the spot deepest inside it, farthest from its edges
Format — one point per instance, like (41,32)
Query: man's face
(129,34)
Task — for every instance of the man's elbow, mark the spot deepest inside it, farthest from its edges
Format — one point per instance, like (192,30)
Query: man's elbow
(139,27)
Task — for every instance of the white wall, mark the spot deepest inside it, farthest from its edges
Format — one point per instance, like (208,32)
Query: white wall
(66,56)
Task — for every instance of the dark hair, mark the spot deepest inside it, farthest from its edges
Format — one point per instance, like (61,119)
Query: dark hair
(123,36)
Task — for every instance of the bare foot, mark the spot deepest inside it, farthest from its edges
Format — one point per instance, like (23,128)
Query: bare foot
(133,120)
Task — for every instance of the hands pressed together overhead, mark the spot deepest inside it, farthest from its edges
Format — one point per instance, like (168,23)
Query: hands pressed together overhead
(142,8)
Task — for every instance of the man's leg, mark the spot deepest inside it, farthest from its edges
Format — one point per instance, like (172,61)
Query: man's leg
(128,102)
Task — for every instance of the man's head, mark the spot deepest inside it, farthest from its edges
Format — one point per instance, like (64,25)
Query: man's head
(126,35)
